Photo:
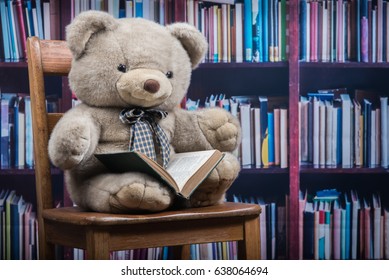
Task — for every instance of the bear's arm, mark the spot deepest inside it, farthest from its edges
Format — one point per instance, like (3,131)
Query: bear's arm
(74,138)
(205,129)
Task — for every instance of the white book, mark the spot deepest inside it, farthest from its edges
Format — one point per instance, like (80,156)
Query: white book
(215,42)
(245,121)
(334,146)
(325,54)
(373,35)
(308,32)
(77,7)
(190,12)
(239,32)
(380,31)
(322,134)
(316,131)
(284,138)
(277,139)
(224,33)
(303,125)
(46,20)
(35,21)
(346,131)
(384,131)
(146,9)
(129,9)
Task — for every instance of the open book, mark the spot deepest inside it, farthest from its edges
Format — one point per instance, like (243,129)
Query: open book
(184,173)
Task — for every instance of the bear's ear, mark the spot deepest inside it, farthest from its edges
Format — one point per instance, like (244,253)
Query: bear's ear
(191,39)
(80,30)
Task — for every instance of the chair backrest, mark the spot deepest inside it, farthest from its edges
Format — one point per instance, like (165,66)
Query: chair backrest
(44,57)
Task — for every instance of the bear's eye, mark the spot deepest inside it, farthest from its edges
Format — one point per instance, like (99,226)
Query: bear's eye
(122,68)
(169,74)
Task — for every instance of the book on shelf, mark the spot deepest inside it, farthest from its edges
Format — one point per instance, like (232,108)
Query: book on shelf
(263,105)
(246,146)
(377,228)
(248,31)
(386,230)
(355,213)
(184,173)
(347,131)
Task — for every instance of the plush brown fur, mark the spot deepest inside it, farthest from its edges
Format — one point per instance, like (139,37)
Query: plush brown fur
(99,44)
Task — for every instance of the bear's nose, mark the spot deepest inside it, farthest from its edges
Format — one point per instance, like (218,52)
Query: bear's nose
(151,86)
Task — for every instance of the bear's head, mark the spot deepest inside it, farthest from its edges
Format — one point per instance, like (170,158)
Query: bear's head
(131,62)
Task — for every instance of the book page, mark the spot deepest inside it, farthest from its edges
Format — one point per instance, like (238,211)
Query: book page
(183,165)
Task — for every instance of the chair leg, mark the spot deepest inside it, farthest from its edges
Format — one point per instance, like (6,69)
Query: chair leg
(46,250)
(181,252)
(97,245)
(250,247)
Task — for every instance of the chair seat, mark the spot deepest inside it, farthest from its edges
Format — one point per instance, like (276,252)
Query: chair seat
(77,216)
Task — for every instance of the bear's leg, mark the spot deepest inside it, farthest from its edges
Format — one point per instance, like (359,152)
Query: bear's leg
(212,190)
(122,193)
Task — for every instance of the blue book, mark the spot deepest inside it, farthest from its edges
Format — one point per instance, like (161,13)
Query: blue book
(260,30)
(30,19)
(265,26)
(7,101)
(322,95)
(138,8)
(39,16)
(5,30)
(17,209)
(12,31)
(248,31)
(303,30)
(270,120)
(347,206)
(308,231)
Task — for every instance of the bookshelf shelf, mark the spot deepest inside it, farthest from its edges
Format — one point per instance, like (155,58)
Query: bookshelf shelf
(270,170)
(25,171)
(13,64)
(339,170)
(225,65)
(345,65)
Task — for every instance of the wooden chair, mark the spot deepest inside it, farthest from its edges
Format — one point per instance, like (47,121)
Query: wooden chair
(100,233)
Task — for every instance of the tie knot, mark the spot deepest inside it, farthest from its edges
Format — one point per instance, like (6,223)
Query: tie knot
(134,115)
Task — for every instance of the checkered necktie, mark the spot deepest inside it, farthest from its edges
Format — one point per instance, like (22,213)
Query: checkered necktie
(145,132)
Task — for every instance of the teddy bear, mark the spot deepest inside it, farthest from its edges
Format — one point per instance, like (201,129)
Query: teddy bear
(133,66)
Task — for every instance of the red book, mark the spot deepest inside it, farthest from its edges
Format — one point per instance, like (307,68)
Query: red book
(180,11)
(22,29)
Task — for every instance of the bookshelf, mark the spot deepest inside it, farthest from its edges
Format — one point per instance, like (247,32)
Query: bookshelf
(291,78)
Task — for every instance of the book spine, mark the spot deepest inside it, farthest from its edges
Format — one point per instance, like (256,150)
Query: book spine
(248,31)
